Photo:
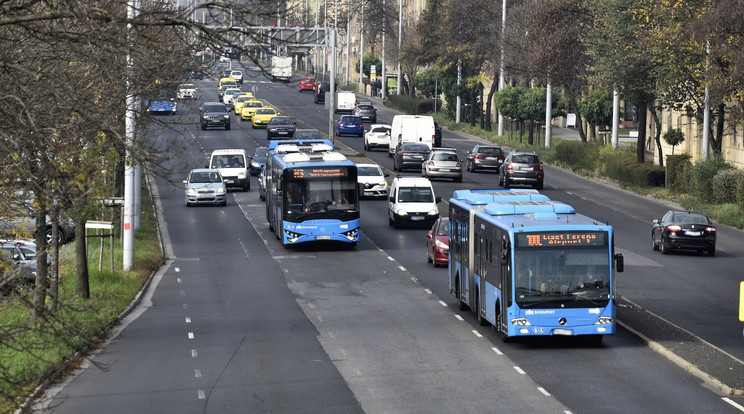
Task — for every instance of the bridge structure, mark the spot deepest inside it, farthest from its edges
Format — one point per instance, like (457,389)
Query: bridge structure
(295,39)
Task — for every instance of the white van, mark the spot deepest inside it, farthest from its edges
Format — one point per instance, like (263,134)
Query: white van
(234,166)
(411,202)
(345,102)
(411,128)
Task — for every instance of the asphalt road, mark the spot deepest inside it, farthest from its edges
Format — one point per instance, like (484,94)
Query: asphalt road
(234,322)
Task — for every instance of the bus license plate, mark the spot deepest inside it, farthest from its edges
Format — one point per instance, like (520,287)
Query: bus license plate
(323,237)
(565,332)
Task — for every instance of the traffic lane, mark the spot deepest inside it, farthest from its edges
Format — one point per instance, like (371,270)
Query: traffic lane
(569,369)
(399,349)
(694,292)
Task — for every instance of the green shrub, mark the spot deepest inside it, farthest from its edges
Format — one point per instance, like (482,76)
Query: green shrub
(578,154)
(410,104)
(702,176)
(725,185)
(740,194)
(679,169)
(621,165)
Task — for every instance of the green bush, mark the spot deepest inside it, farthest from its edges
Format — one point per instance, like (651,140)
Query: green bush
(679,169)
(740,194)
(578,154)
(725,185)
(702,176)
(621,166)
(410,104)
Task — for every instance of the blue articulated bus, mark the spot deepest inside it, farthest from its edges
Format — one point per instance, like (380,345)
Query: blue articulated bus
(532,267)
(311,193)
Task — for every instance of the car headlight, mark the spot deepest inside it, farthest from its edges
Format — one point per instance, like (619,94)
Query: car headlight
(241,175)
(255,164)
(221,190)
(433,212)
(383,184)
(441,244)
(191,191)
(401,212)
(226,116)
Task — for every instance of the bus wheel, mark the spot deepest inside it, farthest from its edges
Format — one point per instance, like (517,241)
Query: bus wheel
(481,320)
(460,304)
(504,337)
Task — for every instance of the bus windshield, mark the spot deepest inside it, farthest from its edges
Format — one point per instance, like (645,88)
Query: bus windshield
(566,278)
(323,196)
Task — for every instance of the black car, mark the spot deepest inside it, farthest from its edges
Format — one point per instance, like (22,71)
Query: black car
(485,157)
(214,114)
(320,89)
(522,168)
(280,127)
(684,230)
(437,135)
(258,160)
(410,155)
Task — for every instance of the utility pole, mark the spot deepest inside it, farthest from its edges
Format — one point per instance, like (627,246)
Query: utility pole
(400,38)
(459,75)
(501,70)
(129,171)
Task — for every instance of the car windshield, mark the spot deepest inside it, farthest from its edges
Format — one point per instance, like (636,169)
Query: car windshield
(215,108)
(490,150)
(227,161)
(381,130)
(525,159)
(205,177)
(369,171)
(351,119)
(281,121)
(254,104)
(188,86)
(444,156)
(690,218)
(307,135)
(264,112)
(415,195)
(259,152)
(443,229)
(415,148)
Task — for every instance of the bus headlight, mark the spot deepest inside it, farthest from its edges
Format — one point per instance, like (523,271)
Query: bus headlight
(521,322)
(352,235)
(604,320)
(291,236)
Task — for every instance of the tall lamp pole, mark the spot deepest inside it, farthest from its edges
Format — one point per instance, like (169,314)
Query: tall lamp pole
(400,38)
(501,69)
(361,51)
(383,93)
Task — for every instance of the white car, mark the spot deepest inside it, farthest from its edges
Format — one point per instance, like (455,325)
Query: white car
(205,186)
(229,94)
(412,202)
(372,181)
(186,90)
(224,58)
(378,136)
(238,76)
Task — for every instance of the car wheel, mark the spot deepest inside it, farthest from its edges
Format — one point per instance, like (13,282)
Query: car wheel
(506,183)
(60,236)
(227,127)
(501,181)
(203,127)
(662,247)
(395,166)
(428,257)
(654,245)
(390,220)
(712,251)
(188,204)
(458,179)
(539,186)
(366,147)
(224,203)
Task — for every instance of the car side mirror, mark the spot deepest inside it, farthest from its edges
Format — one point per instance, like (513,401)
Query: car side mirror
(655,221)
(438,199)
(619,262)
(429,235)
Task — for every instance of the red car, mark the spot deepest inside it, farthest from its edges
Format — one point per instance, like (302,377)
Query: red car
(437,242)
(307,84)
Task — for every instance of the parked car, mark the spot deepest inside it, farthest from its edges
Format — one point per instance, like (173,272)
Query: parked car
(350,125)
(437,243)
(372,181)
(410,155)
(378,136)
(307,84)
(684,230)
(204,186)
(258,160)
(249,108)
(366,111)
(280,127)
(22,253)
(307,134)
(213,114)
(262,116)
(20,222)
(442,163)
(522,168)
(485,157)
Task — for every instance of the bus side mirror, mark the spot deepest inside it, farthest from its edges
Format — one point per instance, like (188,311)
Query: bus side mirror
(619,262)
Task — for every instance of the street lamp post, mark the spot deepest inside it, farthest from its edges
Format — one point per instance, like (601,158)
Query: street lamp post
(400,38)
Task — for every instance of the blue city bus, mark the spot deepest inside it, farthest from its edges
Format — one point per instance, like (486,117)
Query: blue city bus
(311,193)
(533,268)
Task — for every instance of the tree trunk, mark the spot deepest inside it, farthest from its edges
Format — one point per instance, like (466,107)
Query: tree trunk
(82,287)
(531,133)
(491,92)
(54,269)
(657,138)
(40,289)
(717,142)
(641,144)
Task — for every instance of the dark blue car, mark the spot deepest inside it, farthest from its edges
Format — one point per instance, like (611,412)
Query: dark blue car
(258,160)
(350,125)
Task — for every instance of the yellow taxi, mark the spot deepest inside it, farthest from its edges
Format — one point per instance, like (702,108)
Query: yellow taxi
(240,100)
(263,115)
(229,79)
(249,108)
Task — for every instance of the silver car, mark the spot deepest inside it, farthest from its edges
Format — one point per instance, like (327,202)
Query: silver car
(205,186)
(443,163)
(372,181)
(21,254)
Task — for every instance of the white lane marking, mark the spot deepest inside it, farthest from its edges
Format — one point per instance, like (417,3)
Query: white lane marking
(391,259)
(201,394)
(733,403)
(497,351)
(191,335)
(477,334)
(544,391)
(459,318)
(414,279)
(443,303)
(519,370)
(403,269)
(427,291)
(178,269)
(197,373)
(188,320)
(194,354)
(185,305)
(183,293)
(179,280)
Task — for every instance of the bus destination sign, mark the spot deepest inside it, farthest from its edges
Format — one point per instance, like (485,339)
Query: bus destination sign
(319,172)
(561,239)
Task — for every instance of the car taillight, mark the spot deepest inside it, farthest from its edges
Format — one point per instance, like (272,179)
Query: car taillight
(431,163)
(710,229)
(674,227)
(458,164)
(509,166)
(479,157)
(539,167)
(340,124)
